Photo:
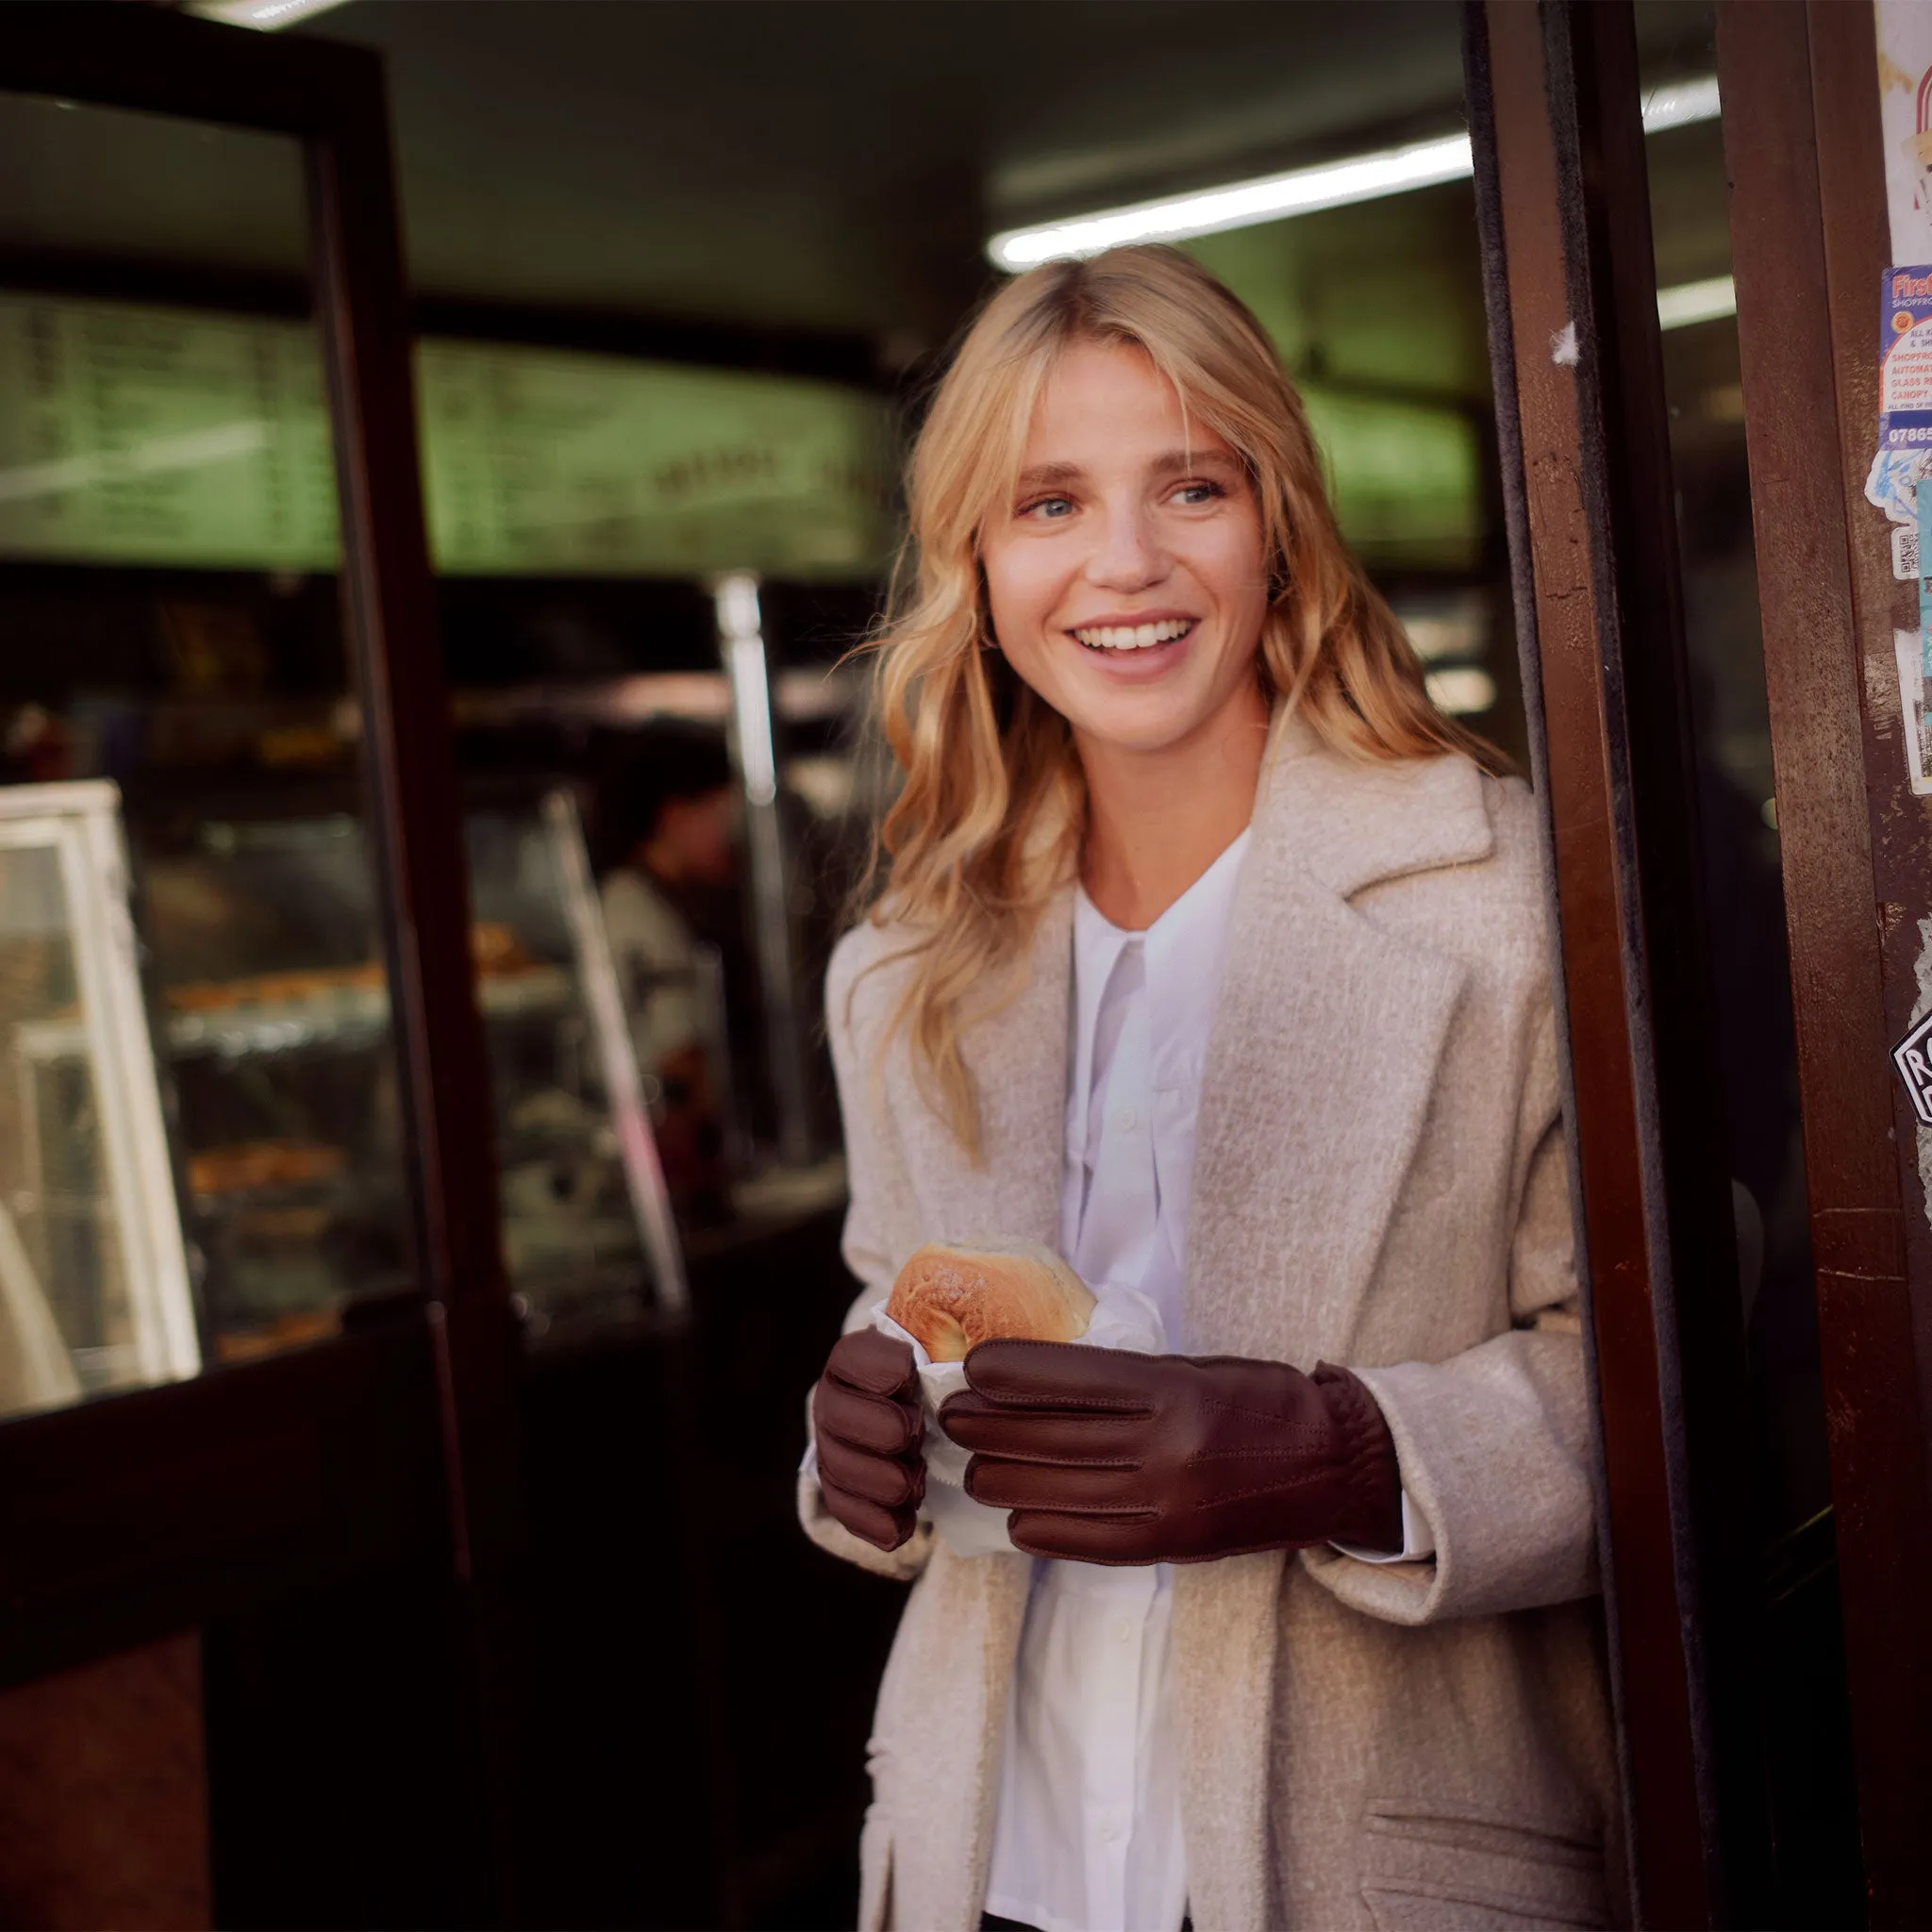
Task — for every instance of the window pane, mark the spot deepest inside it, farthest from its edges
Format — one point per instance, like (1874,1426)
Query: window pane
(199,1142)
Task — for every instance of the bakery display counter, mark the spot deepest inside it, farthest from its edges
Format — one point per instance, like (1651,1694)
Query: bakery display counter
(273,1025)
(272,1021)
(344,1008)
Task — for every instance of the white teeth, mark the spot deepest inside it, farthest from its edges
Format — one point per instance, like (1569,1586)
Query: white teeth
(1135,636)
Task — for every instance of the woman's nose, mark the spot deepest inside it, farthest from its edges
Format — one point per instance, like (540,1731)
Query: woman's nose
(1128,557)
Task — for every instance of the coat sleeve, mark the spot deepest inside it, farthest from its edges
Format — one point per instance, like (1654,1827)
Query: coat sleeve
(873,1173)
(1495,1445)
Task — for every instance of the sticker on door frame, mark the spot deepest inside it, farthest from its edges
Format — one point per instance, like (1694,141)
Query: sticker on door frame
(1912,1057)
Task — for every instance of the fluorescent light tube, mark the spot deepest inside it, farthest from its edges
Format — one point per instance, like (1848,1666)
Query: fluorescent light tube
(1300,192)
(1681,103)
(264,14)
(1691,302)
(1240,205)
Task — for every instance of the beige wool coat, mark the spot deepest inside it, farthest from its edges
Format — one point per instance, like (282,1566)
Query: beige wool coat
(1379,1181)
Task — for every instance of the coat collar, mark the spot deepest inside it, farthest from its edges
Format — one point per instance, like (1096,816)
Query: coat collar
(1353,824)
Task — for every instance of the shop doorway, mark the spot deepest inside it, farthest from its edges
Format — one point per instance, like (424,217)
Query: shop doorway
(1605,448)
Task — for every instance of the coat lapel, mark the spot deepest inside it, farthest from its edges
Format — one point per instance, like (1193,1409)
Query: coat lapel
(1319,1070)
(1323,1055)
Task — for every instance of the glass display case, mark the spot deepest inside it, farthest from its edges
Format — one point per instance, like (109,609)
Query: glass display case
(94,1276)
(262,922)
(274,1028)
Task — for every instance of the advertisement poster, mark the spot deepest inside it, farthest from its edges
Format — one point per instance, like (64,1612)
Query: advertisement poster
(1903,457)
(1904,106)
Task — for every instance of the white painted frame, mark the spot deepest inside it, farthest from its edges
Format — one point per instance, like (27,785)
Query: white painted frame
(81,823)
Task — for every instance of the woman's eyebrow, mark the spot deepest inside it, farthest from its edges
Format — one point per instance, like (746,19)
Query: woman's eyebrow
(1042,475)
(1174,462)
(1178,462)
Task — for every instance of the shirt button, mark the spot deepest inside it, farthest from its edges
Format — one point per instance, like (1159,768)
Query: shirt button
(1108,1833)
(1126,1119)
(1122,1631)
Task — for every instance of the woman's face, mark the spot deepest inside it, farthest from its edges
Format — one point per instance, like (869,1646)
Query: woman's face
(1126,577)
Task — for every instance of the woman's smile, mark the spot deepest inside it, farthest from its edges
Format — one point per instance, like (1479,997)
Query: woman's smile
(1135,650)
(1131,633)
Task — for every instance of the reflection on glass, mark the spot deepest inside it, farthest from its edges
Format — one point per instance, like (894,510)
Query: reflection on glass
(94,1279)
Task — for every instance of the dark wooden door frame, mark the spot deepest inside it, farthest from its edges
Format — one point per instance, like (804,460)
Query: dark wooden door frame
(186,1502)
(1809,242)
(1563,207)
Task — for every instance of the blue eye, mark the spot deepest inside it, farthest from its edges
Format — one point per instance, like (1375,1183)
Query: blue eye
(1196,494)
(1049,506)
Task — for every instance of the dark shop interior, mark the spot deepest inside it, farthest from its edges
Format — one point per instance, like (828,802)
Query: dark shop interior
(679,276)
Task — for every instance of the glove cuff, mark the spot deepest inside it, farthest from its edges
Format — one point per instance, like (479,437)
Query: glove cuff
(1369,1509)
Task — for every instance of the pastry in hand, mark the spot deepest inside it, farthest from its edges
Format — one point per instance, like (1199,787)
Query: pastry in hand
(951,1298)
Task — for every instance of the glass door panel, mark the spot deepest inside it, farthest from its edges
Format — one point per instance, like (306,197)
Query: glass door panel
(173,680)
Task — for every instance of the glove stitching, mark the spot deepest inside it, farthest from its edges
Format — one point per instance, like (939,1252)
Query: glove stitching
(1111,1512)
(1109,1404)
(1014,1461)
(1366,1429)
(1273,1417)
(1305,1480)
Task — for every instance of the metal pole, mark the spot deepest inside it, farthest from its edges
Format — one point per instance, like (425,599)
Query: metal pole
(741,645)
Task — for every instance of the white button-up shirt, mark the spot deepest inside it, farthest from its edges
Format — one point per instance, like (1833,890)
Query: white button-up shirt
(1087,1834)
(1088,1837)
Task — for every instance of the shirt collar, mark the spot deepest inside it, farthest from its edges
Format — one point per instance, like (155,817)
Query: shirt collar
(1185,949)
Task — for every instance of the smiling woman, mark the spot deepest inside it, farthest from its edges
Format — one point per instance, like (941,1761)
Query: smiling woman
(1213,957)
(1116,444)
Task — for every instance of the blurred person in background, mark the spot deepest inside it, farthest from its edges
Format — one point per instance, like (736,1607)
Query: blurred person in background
(665,827)
(1210,953)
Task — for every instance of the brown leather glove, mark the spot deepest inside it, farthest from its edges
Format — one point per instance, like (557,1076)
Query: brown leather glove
(1106,1457)
(865,1411)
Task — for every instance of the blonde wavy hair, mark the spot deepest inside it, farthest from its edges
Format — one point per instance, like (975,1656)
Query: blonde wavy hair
(986,826)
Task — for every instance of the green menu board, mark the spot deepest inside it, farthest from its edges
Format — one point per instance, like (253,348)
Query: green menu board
(593,465)
(139,435)
(146,436)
